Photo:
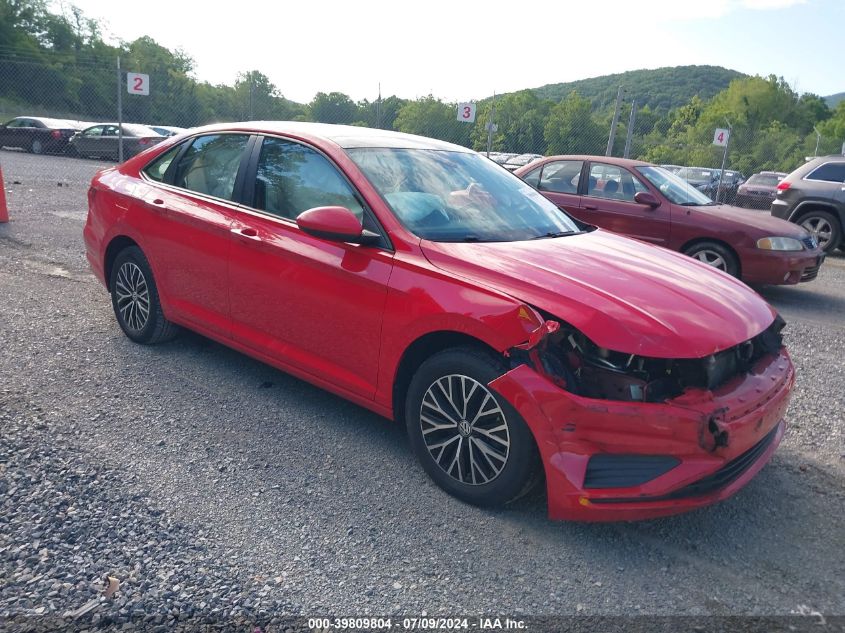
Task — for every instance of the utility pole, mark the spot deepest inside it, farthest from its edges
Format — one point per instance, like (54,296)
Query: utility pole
(251,96)
(491,126)
(631,121)
(119,112)
(378,107)
(614,123)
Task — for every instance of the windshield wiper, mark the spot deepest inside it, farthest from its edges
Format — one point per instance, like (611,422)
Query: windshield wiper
(554,234)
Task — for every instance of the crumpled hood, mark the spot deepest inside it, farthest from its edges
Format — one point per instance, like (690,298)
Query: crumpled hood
(761,223)
(623,294)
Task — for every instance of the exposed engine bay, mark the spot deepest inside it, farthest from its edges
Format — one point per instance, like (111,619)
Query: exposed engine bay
(573,362)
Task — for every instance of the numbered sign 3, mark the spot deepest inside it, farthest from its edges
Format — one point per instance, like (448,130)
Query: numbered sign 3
(138,83)
(721,137)
(466,112)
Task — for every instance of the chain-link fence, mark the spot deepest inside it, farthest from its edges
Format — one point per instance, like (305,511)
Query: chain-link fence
(775,136)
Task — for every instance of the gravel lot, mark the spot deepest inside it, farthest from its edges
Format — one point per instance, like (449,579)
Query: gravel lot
(214,487)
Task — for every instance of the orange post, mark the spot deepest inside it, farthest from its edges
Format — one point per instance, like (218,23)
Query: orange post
(4,210)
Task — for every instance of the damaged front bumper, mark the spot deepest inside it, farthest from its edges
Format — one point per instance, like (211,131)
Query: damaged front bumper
(608,460)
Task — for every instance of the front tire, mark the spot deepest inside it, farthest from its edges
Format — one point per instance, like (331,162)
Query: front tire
(470,440)
(135,299)
(715,255)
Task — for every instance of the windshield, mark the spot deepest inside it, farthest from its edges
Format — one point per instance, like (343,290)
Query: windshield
(448,196)
(674,188)
(694,174)
(765,180)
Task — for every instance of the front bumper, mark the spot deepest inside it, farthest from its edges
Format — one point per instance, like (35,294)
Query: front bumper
(781,267)
(719,440)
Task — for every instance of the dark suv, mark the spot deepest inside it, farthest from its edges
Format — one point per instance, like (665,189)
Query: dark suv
(814,197)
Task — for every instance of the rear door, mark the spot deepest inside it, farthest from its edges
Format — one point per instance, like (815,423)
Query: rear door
(609,199)
(558,181)
(828,181)
(306,302)
(188,209)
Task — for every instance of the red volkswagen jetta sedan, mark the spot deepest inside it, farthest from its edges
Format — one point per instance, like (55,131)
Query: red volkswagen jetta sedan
(420,280)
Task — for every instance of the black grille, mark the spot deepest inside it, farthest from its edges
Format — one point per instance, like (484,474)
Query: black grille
(622,471)
(722,478)
(810,243)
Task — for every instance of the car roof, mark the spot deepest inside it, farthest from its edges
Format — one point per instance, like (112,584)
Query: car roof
(610,160)
(345,136)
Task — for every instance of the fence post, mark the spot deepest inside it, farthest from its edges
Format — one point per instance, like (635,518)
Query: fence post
(631,121)
(614,123)
(119,112)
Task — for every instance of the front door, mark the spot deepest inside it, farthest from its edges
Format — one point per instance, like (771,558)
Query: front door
(609,198)
(306,302)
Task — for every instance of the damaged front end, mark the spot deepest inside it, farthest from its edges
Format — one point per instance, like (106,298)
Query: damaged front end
(624,436)
(573,362)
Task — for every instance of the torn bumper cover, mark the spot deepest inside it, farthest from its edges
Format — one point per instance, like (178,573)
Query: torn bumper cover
(609,460)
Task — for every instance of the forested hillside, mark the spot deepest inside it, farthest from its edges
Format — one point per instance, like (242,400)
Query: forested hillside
(659,89)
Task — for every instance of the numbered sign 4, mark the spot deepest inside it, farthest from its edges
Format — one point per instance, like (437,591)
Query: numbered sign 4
(721,137)
(138,83)
(466,112)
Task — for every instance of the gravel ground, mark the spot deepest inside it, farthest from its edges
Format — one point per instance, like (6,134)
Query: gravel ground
(214,487)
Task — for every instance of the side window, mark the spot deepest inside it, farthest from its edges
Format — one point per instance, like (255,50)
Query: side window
(110,130)
(561,176)
(292,178)
(832,172)
(210,165)
(93,131)
(17,123)
(613,183)
(532,178)
(158,168)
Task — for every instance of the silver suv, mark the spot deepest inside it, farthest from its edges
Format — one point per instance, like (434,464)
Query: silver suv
(814,197)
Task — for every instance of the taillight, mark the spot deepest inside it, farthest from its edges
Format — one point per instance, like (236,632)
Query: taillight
(783,185)
(56,133)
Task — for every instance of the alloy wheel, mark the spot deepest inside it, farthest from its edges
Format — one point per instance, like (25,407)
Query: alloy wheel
(133,296)
(711,258)
(464,429)
(820,228)
(37,147)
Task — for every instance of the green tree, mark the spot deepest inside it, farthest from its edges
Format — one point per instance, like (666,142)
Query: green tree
(429,116)
(570,128)
(334,107)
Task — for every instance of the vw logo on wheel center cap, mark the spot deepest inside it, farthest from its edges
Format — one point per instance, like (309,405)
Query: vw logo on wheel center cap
(464,428)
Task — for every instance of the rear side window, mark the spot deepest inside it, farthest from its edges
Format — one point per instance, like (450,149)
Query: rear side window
(158,168)
(561,176)
(292,178)
(831,172)
(210,165)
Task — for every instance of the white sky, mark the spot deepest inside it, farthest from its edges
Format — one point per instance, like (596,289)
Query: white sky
(461,50)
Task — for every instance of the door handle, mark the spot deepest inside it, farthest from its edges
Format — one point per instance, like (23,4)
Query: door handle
(248,233)
(591,207)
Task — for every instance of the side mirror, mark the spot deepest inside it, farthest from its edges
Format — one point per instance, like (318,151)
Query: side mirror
(646,197)
(337,224)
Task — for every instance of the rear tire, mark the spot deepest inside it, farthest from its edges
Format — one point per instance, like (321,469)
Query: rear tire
(36,147)
(825,227)
(135,299)
(470,440)
(715,255)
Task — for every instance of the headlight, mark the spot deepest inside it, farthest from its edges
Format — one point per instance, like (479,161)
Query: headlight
(780,244)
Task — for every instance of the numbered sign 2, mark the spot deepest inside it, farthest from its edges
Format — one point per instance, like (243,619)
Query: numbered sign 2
(721,137)
(138,83)
(466,112)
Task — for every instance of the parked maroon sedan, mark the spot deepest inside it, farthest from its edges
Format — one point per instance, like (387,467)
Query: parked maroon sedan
(649,203)
(422,281)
